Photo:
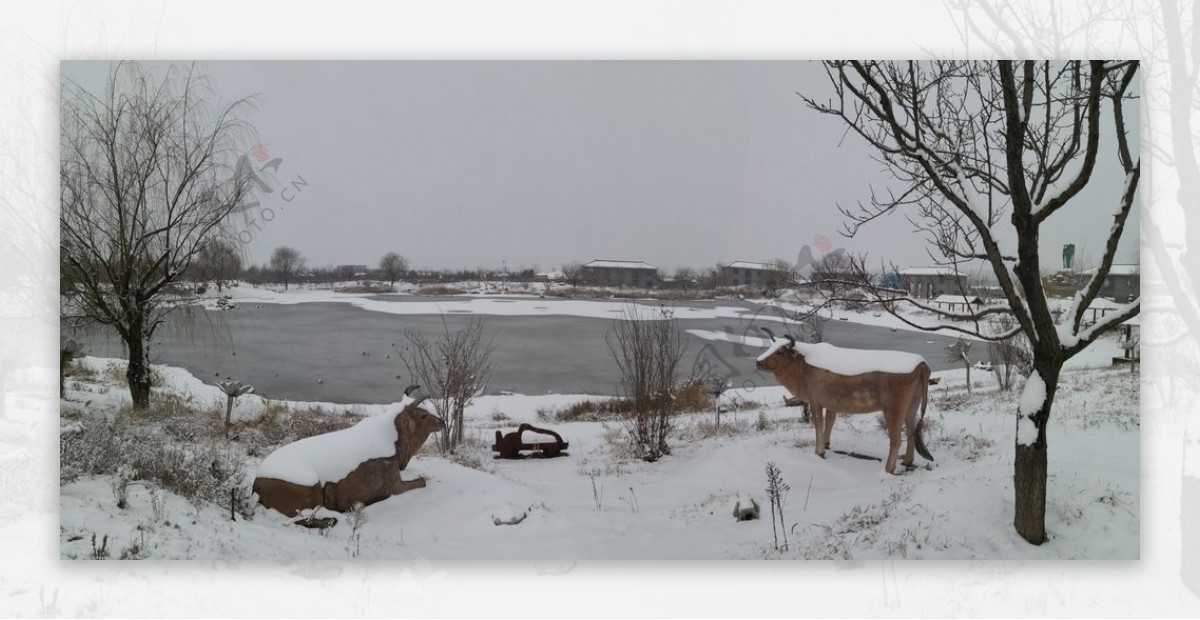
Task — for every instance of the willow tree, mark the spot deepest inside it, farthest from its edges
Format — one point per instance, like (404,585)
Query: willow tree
(147,181)
(986,153)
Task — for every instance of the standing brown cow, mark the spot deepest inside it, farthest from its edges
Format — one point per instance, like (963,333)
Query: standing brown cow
(833,381)
(360,464)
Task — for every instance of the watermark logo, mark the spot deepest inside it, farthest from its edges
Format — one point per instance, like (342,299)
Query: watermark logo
(733,356)
(265,178)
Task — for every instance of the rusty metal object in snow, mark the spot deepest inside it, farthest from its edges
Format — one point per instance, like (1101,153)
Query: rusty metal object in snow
(510,446)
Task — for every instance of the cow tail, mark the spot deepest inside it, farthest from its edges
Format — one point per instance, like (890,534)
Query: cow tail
(920,443)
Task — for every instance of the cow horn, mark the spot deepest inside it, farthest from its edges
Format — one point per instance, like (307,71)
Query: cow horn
(417,403)
(410,389)
(769,332)
(791,341)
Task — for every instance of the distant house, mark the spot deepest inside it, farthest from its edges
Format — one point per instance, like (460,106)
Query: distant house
(631,273)
(1123,282)
(750,273)
(931,282)
(548,276)
(351,271)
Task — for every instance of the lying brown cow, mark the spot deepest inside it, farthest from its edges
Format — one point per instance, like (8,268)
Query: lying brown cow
(339,469)
(833,381)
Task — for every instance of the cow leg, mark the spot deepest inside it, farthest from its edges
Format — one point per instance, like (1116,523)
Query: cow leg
(818,422)
(895,423)
(401,486)
(910,424)
(828,432)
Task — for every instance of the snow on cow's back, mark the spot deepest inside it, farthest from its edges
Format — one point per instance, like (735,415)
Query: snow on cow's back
(332,456)
(850,361)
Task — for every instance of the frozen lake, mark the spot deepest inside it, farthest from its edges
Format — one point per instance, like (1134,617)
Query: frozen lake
(341,353)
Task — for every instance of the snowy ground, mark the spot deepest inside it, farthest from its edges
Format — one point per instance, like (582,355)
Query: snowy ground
(594,503)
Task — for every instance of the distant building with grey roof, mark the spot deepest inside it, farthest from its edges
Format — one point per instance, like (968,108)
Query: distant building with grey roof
(621,273)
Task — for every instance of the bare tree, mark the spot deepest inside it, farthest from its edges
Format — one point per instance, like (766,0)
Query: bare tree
(219,261)
(393,267)
(647,345)
(148,178)
(971,143)
(573,273)
(834,275)
(780,275)
(286,262)
(686,277)
(453,368)
(959,351)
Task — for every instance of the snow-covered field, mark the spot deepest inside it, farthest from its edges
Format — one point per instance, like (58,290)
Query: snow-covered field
(523,299)
(596,503)
(493,303)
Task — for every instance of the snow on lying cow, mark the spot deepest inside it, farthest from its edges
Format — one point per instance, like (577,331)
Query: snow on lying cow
(357,464)
(833,380)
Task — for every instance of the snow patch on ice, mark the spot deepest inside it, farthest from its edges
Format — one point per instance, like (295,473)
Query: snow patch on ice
(718,336)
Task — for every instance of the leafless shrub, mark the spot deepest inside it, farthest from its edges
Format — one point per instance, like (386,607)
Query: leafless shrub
(452,368)
(615,440)
(439,290)
(364,288)
(136,549)
(707,429)
(777,491)
(695,394)
(474,453)
(647,346)
(589,410)
(1012,357)
(116,373)
(356,519)
(99,552)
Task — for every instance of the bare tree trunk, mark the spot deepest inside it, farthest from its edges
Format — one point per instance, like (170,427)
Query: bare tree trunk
(137,374)
(63,358)
(1030,470)
(1029,483)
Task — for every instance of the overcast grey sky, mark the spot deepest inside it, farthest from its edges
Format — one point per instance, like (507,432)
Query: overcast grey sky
(471,163)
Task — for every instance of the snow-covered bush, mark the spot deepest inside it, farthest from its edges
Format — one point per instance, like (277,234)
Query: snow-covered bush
(647,347)
(208,470)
